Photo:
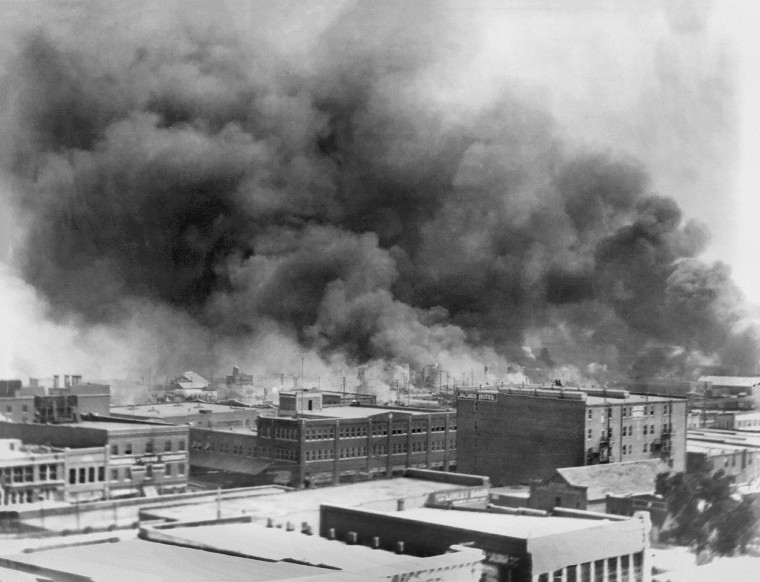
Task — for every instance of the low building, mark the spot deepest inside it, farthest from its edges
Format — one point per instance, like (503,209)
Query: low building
(30,475)
(140,458)
(517,547)
(524,434)
(589,487)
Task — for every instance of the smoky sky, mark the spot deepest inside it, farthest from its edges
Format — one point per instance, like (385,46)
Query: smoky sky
(203,170)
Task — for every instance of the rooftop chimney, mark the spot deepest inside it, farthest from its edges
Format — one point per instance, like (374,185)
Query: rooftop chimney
(76,380)
(56,385)
(66,381)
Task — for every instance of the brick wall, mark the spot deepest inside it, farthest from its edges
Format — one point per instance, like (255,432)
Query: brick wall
(517,439)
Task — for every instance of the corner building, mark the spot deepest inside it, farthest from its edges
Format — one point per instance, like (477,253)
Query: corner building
(518,435)
(342,444)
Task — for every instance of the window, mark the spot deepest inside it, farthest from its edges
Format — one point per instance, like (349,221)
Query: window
(114,474)
(128,449)
(101,473)
(43,472)
(53,472)
(645,447)
(181,445)
(149,471)
(8,409)
(149,447)
(168,446)
(91,473)
(590,432)
(82,475)
(114,449)
(651,410)
(168,470)
(24,408)
(181,469)
(651,429)
(645,429)
(72,476)
(128,473)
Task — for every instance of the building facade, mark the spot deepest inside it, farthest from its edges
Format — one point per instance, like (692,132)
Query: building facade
(311,445)
(519,435)
(137,459)
(29,475)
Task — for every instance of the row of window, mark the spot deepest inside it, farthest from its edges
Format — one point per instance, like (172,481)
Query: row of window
(377,450)
(86,475)
(24,408)
(617,568)
(628,430)
(628,411)
(378,429)
(126,474)
(25,474)
(150,447)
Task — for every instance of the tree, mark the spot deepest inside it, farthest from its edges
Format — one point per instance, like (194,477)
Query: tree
(705,513)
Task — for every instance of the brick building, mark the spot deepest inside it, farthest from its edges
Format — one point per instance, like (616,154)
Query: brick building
(138,458)
(309,444)
(35,403)
(518,435)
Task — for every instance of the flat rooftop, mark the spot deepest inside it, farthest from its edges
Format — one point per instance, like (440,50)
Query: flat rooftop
(165,410)
(275,544)
(115,426)
(500,524)
(154,562)
(361,411)
(303,505)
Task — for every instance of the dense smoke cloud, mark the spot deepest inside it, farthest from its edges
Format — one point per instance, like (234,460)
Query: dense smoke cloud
(214,177)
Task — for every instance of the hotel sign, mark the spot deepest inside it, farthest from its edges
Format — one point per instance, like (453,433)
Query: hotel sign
(476,396)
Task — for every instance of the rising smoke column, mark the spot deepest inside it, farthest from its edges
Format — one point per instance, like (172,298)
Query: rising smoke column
(204,172)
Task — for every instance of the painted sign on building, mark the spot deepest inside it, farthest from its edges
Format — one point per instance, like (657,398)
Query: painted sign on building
(486,396)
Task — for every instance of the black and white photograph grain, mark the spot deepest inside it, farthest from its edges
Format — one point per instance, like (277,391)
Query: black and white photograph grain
(379,291)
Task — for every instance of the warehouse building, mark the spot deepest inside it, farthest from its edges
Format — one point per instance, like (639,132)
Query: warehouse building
(518,435)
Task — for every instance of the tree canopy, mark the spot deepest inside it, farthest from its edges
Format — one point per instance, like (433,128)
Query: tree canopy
(705,513)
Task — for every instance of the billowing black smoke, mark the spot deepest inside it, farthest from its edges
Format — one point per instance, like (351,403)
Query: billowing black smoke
(203,171)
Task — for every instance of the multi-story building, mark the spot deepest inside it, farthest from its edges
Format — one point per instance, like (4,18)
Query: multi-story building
(36,403)
(29,475)
(518,435)
(138,458)
(309,444)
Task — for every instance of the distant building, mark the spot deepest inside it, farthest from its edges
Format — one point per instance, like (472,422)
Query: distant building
(192,385)
(35,403)
(537,548)
(735,453)
(518,435)
(732,385)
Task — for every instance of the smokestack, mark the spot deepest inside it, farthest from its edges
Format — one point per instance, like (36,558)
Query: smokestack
(76,380)
(56,384)
(235,371)
(66,381)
